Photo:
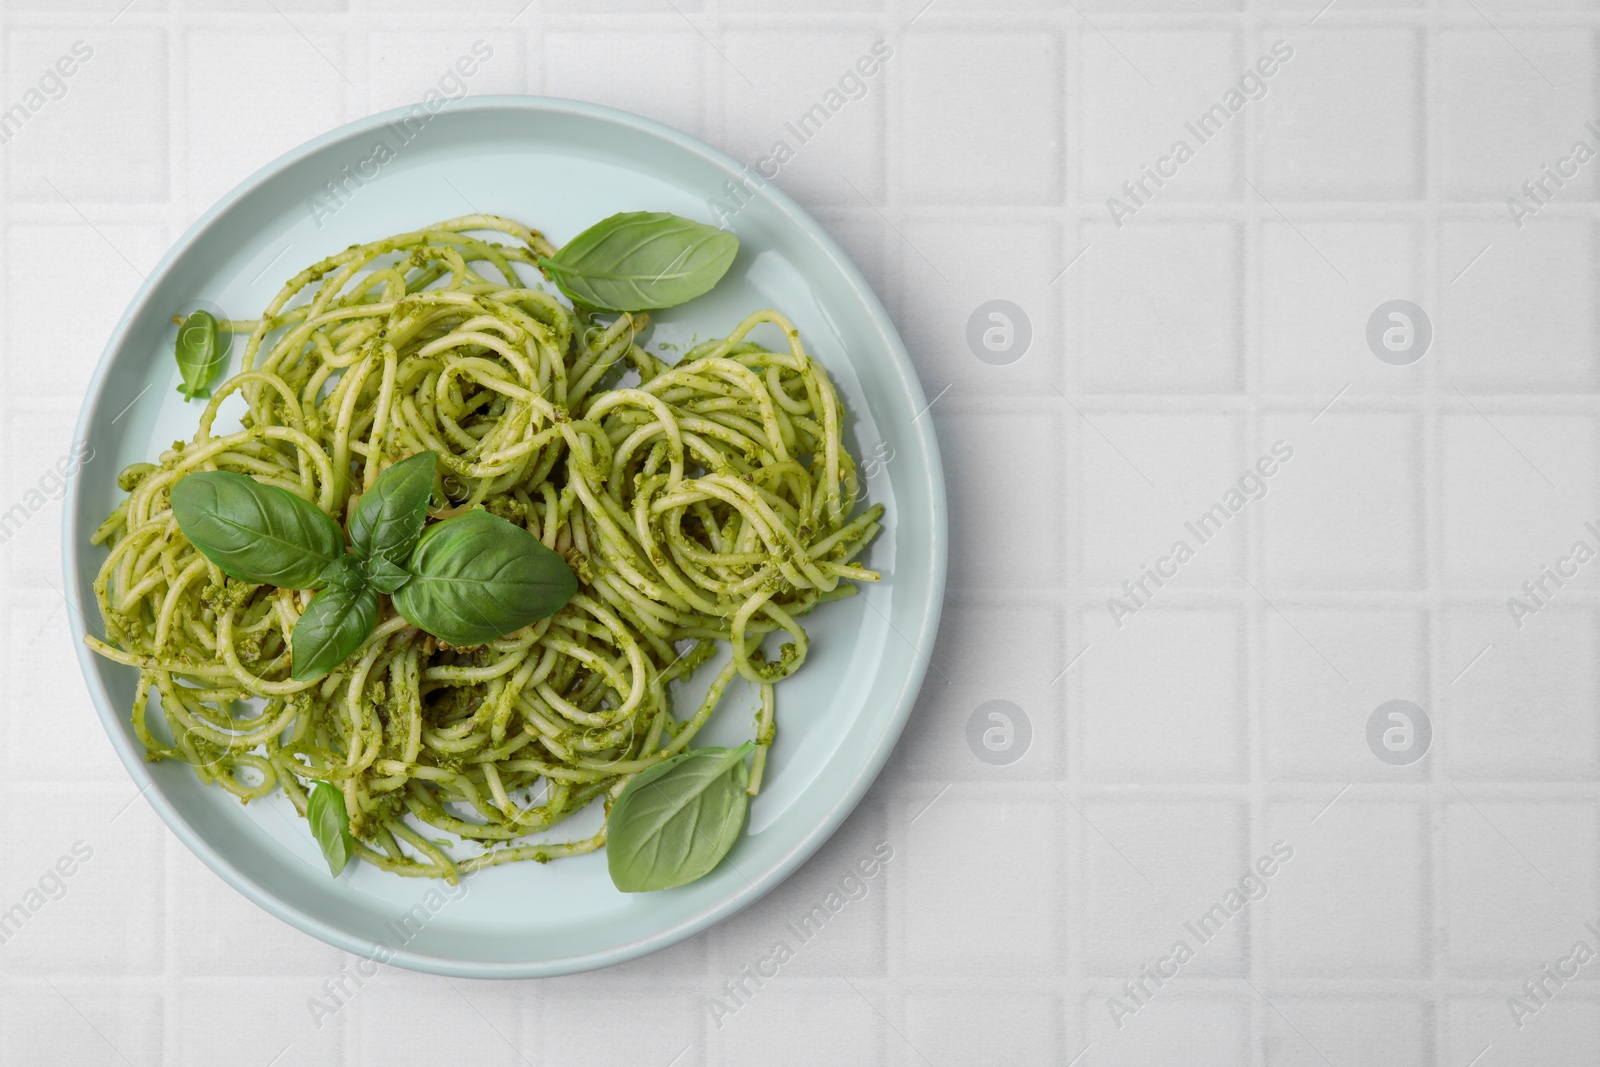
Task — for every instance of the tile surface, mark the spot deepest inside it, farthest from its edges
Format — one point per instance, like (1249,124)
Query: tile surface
(1154,805)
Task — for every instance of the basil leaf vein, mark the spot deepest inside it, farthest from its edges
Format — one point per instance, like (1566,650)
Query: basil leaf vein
(256,532)
(642,260)
(674,822)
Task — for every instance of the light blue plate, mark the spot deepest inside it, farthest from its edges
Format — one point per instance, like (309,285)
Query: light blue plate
(558,166)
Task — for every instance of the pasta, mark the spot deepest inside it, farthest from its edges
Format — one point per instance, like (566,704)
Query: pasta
(708,502)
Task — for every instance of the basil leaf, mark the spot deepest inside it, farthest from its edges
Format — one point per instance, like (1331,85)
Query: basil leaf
(343,572)
(199,352)
(388,518)
(641,260)
(255,532)
(383,574)
(675,821)
(477,577)
(330,825)
(333,625)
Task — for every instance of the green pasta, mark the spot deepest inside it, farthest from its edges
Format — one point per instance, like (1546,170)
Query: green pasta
(708,503)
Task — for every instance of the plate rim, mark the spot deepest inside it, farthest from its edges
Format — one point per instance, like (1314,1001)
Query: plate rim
(802,849)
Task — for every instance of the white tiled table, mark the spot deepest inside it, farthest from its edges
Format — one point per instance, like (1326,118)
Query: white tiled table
(1167,754)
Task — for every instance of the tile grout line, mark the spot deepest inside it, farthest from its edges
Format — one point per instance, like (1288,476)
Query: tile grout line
(1431,517)
(1257,958)
(1069,233)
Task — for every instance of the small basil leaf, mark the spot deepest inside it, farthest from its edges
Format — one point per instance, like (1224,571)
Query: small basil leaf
(477,577)
(674,822)
(330,825)
(642,260)
(344,572)
(333,625)
(255,532)
(388,518)
(199,352)
(383,574)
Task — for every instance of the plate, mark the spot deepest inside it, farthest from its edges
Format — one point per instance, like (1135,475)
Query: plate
(558,166)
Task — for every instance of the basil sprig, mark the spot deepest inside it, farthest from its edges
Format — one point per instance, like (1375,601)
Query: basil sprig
(641,261)
(330,825)
(466,580)
(199,352)
(675,821)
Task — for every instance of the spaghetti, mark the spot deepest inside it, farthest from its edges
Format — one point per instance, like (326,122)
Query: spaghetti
(707,503)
